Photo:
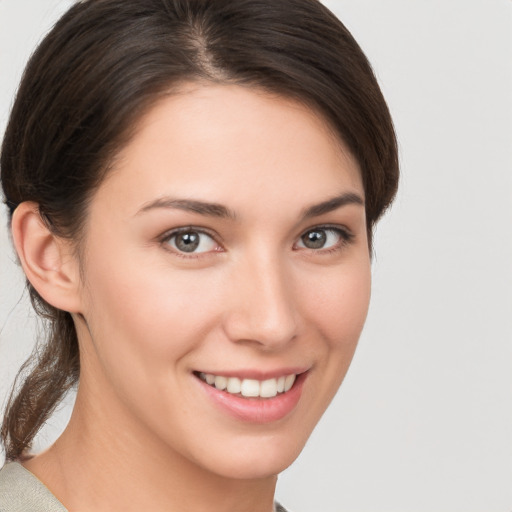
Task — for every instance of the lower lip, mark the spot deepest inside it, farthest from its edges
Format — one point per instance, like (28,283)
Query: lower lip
(257,410)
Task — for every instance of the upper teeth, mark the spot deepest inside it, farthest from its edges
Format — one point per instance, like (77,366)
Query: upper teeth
(250,387)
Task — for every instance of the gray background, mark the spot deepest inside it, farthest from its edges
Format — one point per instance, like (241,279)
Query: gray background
(424,419)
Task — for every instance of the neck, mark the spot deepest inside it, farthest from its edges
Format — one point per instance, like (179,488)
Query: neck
(102,465)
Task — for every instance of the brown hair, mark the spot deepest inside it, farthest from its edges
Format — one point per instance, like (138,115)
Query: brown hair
(101,68)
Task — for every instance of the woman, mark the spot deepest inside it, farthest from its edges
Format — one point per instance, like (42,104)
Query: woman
(192,188)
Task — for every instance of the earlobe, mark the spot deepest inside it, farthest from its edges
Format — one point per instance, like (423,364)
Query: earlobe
(47,260)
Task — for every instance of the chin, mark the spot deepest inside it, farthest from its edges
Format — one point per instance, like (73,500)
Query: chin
(257,460)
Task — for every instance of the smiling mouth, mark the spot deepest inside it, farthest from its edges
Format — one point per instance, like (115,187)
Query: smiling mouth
(249,388)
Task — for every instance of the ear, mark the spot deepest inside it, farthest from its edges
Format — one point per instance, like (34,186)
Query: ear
(47,260)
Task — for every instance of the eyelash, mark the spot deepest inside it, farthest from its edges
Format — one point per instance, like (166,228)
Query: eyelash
(168,236)
(346,238)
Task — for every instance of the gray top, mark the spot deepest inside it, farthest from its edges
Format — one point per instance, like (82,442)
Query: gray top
(21,491)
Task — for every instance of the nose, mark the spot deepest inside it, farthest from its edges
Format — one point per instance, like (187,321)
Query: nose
(263,306)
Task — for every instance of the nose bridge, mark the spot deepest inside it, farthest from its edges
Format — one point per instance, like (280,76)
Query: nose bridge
(264,308)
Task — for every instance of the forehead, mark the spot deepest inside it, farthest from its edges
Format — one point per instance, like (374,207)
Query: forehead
(228,143)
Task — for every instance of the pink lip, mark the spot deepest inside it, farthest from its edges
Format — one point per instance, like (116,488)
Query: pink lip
(257,410)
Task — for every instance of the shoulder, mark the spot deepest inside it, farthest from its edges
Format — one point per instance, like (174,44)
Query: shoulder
(21,491)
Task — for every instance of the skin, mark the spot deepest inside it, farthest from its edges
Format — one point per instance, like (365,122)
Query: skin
(146,435)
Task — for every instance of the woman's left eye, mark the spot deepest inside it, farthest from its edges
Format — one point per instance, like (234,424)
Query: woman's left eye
(323,238)
(191,241)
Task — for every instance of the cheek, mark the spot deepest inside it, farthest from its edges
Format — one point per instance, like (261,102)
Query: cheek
(155,313)
(337,310)
(339,305)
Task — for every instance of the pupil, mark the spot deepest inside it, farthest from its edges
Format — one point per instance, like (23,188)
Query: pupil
(314,239)
(187,242)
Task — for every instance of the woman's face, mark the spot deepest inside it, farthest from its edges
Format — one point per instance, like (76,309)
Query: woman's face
(227,247)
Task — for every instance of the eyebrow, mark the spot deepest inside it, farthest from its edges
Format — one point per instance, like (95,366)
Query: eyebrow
(332,204)
(220,211)
(190,205)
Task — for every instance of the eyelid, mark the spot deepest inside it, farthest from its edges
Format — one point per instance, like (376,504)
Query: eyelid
(335,227)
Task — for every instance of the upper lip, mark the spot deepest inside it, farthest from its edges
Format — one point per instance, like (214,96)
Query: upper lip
(257,374)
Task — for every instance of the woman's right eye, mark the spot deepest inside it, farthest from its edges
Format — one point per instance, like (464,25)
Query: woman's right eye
(191,241)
